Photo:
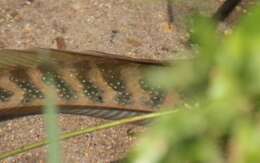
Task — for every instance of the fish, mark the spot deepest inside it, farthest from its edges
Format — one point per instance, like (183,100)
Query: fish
(91,83)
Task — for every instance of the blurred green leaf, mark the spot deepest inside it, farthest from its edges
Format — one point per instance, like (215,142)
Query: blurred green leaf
(53,131)
(222,84)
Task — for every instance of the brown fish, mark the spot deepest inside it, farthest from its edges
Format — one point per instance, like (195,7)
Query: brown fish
(91,83)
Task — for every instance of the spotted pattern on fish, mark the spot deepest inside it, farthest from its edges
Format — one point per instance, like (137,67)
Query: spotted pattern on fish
(157,96)
(86,83)
(90,90)
(5,95)
(64,90)
(112,76)
(23,81)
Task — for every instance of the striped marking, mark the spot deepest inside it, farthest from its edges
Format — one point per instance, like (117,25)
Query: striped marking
(157,96)
(90,89)
(101,113)
(23,81)
(63,89)
(112,76)
(5,95)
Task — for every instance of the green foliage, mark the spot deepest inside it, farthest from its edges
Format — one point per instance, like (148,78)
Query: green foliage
(53,131)
(219,122)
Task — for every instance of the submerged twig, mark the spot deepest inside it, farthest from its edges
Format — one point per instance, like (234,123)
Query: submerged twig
(170,12)
(225,9)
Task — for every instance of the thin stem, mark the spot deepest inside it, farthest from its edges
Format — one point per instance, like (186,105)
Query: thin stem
(73,134)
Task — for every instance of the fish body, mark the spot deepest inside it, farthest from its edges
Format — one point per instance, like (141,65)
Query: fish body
(91,83)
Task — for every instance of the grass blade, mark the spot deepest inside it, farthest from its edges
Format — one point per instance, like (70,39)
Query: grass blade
(76,133)
(53,131)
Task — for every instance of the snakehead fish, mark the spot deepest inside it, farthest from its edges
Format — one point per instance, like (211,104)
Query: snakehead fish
(91,83)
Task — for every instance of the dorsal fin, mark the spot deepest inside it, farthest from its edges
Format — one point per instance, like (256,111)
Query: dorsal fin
(33,57)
